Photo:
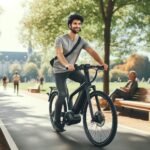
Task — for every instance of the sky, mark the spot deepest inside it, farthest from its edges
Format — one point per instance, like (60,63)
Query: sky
(9,25)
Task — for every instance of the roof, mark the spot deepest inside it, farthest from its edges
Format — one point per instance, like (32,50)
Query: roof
(12,56)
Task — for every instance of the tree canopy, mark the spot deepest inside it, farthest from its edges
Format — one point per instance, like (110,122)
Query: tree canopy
(115,22)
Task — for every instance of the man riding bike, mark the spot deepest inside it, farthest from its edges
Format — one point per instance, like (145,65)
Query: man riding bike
(62,45)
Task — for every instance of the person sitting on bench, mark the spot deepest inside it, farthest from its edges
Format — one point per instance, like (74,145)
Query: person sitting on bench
(127,91)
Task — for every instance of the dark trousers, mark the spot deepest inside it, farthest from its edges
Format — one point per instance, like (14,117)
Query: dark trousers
(118,93)
(60,79)
(16,86)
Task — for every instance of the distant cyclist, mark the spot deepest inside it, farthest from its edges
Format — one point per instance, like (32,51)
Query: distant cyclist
(63,44)
(16,80)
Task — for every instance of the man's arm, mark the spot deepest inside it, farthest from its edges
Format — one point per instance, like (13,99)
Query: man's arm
(63,60)
(95,55)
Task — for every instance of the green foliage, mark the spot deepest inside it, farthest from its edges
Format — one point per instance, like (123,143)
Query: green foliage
(47,19)
(138,63)
(35,58)
(118,75)
(44,71)
(130,27)
(15,67)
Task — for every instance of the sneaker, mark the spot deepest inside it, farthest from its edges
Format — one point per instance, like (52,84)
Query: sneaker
(58,127)
(106,108)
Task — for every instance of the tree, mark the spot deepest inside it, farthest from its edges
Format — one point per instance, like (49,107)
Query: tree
(35,58)
(101,18)
(138,63)
(15,67)
(44,71)
(31,71)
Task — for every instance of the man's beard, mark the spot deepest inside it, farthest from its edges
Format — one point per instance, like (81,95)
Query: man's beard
(74,31)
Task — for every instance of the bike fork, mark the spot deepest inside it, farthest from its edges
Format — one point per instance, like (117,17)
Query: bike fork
(90,104)
(89,101)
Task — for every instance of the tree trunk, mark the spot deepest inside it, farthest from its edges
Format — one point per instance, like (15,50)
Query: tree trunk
(107,12)
(107,55)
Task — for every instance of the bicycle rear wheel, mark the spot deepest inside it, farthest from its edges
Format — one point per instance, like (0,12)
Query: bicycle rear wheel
(52,102)
(101,129)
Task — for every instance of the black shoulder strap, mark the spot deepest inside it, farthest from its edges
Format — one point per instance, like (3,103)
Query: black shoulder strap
(74,47)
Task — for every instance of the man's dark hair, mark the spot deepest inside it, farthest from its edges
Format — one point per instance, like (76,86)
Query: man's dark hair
(75,16)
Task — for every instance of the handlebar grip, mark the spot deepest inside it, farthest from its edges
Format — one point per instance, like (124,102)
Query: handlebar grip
(101,67)
(86,66)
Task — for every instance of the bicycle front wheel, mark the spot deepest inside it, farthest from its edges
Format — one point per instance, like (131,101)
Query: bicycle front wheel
(101,128)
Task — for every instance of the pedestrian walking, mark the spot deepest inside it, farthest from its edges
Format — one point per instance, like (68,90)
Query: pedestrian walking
(4,79)
(16,80)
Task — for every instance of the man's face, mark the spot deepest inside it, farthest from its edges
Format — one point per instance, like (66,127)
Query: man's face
(131,76)
(75,26)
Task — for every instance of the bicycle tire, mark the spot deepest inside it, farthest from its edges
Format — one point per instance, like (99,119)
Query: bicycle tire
(52,101)
(103,139)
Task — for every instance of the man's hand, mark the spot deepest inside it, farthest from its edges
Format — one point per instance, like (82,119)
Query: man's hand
(124,89)
(70,67)
(105,67)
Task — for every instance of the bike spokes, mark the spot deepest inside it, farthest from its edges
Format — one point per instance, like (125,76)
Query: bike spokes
(101,127)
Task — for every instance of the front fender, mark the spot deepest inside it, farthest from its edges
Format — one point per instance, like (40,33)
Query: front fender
(51,94)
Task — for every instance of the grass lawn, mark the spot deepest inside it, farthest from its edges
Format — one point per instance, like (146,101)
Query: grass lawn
(72,85)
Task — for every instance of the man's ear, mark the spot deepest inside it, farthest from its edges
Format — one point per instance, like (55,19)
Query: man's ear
(69,26)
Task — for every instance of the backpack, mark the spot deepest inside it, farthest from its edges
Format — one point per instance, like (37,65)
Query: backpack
(16,78)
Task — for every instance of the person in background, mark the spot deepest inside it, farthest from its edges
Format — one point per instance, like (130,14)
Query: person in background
(41,81)
(127,91)
(16,80)
(4,79)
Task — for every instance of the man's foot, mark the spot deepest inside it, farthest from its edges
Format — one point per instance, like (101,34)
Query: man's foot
(58,127)
(106,108)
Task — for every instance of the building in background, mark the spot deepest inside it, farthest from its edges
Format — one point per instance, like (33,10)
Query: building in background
(9,58)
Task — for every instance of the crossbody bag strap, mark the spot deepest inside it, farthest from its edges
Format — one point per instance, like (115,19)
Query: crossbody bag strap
(74,47)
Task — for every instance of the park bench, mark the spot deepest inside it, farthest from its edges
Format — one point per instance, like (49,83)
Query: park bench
(140,101)
(34,89)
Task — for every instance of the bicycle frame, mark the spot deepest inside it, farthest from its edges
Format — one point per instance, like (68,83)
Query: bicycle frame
(86,86)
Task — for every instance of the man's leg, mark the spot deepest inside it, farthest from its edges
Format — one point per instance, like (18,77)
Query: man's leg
(14,87)
(77,76)
(118,94)
(17,86)
(60,79)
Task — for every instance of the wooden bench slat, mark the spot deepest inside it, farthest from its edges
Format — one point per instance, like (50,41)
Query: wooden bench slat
(133,104)
(140,101)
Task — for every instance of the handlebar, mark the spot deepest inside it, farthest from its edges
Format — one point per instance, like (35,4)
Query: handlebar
(88,66)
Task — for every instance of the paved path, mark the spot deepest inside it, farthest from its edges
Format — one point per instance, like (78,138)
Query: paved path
(26,118)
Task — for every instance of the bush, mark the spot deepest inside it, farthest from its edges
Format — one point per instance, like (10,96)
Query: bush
(118,75)
(30,71)
(138,63)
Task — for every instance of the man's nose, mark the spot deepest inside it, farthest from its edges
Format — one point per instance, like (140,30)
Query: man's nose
(78,25)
